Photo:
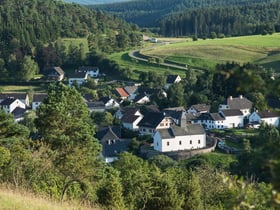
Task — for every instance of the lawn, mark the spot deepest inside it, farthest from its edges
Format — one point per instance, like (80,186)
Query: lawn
(264,50)
(21,88)
(76,42)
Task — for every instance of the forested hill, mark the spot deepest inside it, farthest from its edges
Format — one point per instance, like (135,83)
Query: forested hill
(172,14)
(29,22)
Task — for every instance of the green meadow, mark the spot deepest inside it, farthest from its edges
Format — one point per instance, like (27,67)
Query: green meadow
(259,49)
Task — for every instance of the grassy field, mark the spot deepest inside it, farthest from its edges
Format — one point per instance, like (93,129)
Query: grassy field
(125,61)
(20,88)
(16,200)
(76,42)
(264,50)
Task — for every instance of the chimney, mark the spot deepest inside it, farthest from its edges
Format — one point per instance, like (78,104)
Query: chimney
(230,98)
(240,96)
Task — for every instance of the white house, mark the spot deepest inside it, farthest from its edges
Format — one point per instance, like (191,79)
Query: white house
(38,99)
(141,99)
(23,97)
(10,104)
(210,120)
(109,102)
(92,71)
(241,103)
(130,117)
(179,138)
(268,117)
(78,78)
(234,118)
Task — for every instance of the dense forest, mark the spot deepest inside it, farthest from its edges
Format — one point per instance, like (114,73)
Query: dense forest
(31,31)
(184,18)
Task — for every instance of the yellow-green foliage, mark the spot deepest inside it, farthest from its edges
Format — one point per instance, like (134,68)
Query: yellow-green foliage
(15,200)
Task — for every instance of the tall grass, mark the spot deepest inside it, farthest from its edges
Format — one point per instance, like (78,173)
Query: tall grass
(21,200)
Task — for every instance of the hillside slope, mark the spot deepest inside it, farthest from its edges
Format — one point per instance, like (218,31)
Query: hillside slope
(146,13)
(93,2)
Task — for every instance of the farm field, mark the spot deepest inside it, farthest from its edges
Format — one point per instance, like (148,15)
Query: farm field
(259,49)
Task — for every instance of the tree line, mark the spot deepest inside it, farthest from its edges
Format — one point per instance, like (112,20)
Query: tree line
(148,13)
(224,21)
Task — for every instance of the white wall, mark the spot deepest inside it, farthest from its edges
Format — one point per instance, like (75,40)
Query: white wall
(234,122)
(179,143)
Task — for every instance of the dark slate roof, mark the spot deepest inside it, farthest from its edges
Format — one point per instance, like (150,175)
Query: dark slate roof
(88,68)
(129,114)
(115,147)
(151,119)
(190,129)
(21,96)
(88,97)
(148,91)
(176,112)
(39,97)
(217,116)
(139,97)
(18,112)
(8,101)
(105,99)
(211,116)
(238,103)
(77,74)
(267,114)
(108,133)
(171,78)
(231,112)
(95,104)
(201,107)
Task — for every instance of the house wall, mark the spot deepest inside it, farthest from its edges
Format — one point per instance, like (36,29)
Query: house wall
(234,122)
(35,105)
(12,106)
(254,117)
(178,143)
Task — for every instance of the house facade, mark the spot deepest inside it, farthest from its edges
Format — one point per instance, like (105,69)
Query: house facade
(241,103)
(23,97)
(268,117)
(179,138)
(55,73)
(199,109)
(154,121)
(10,104)
(77,78)
(38,99)
(92,71)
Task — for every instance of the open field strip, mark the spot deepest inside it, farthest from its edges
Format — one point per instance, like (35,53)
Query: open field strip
(264,50)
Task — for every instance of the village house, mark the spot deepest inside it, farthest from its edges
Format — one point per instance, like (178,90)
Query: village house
(238,103)
(121,93)
(172,79)
(234,118)
(210,120)
(109,102)
(112,143)
(178,115)
(153,121)
(141,99)
(15,107)
(92,71)
(38,98)
(23,97)
(199,108)
(77,78)
(55,73)
(130,117)
(268,117)
(177,138)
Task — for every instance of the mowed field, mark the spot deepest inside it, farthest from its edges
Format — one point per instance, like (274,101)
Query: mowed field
(264,50)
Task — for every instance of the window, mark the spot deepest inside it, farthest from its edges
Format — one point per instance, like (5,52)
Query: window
(190,141)
(198,141)
(180,142)
(167,143)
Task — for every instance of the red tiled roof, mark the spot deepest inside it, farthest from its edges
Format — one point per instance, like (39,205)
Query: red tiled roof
(122,92)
